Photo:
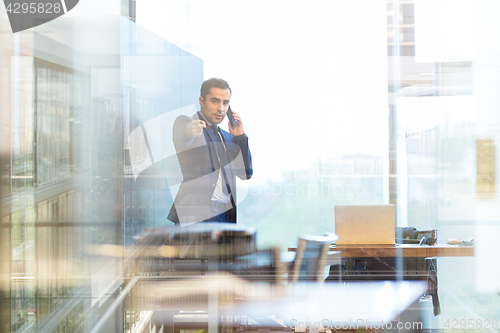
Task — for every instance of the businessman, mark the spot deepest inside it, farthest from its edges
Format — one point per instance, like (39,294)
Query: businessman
(210,159)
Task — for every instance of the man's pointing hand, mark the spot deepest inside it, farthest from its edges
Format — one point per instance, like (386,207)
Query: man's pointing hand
(195,128)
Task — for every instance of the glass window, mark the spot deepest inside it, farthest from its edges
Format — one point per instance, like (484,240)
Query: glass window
(22,127)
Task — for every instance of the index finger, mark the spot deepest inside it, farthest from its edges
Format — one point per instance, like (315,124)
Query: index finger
(199,122)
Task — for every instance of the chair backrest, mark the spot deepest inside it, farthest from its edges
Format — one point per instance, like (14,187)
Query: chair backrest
(310,258)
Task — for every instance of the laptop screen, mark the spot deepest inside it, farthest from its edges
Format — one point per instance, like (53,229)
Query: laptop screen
(365,224)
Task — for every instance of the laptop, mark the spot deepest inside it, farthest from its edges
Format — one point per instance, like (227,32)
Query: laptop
(365,224)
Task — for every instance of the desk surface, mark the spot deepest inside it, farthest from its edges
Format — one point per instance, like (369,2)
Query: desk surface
(403,250)
(295,302)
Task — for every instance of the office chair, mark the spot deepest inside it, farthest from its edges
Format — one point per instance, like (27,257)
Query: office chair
(312,256)
(431,294)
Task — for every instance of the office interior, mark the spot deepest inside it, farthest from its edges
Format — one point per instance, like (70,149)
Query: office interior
(344,102)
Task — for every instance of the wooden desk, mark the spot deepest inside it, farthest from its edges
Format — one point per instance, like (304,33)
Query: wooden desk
(403,250)
(379,262)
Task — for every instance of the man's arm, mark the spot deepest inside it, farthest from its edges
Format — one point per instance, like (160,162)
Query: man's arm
(244,171)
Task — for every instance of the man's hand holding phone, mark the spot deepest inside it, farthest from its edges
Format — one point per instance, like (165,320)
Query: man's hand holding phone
(235,125)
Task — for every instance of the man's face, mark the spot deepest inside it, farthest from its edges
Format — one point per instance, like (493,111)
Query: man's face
(215,105)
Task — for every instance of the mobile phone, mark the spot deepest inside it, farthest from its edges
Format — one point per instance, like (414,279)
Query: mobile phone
(230,117)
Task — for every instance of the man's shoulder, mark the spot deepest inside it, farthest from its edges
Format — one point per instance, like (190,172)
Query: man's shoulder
(183,119)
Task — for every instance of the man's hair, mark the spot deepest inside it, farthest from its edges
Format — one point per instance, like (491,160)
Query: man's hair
(213,83)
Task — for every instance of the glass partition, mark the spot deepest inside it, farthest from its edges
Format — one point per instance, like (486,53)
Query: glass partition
(313,101)
(334,119)
(344,102)
(76,88)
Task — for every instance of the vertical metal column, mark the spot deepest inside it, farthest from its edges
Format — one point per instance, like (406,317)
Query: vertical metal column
(5,255)
(394,84)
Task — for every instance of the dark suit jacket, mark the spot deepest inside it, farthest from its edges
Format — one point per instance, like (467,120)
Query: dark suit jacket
(200,172)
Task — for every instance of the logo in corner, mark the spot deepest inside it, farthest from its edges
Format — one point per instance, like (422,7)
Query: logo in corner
(25,14)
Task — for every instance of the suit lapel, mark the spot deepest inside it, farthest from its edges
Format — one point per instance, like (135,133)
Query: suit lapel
(212,147)
(210,139)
